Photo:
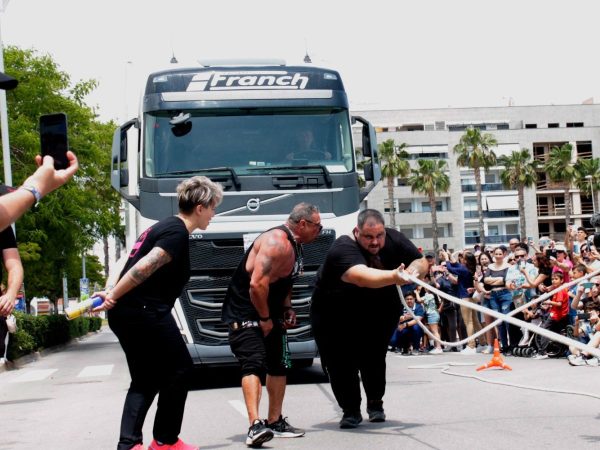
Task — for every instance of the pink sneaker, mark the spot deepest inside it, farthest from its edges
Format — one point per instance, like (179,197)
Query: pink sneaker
(179,445)
(138,447)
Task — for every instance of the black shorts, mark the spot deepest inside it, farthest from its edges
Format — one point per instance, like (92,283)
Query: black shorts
(260,354)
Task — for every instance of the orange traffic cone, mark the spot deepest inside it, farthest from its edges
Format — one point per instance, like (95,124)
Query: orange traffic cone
(497,360)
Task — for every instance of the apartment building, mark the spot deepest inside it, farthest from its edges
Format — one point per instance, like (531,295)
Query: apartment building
(433,133)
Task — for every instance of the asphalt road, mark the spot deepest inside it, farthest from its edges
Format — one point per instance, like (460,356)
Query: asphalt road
(72,399)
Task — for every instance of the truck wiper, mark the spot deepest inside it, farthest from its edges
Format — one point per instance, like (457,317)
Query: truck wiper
(234,176)
(322,167)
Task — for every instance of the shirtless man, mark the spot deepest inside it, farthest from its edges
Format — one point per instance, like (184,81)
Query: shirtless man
(258,310)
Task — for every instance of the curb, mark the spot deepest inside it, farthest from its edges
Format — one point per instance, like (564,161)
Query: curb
(19,363)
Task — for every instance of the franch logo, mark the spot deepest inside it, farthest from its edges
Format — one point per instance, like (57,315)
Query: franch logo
(237,81)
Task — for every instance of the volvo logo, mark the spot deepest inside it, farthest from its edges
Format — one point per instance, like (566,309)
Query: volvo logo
(195,236)
(253,204)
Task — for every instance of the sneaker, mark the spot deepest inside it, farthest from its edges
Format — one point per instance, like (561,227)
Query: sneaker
(487,350)
(282,428)
(258,434)
(376,415)
(541,356)
(138,447)
(351,419)
(468,351)
(593,361)
(480,348)
(179,445)
(436,351)
(576,360)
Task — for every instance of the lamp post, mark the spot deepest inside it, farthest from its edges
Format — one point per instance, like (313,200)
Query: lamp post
(589,178)
(4,115)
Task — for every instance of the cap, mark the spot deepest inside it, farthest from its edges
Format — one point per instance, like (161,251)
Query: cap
(560,248)
(7,82)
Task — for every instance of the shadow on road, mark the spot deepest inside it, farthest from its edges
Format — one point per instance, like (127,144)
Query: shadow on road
(223,377)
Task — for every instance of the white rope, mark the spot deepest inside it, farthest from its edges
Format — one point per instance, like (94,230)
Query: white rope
(501,317)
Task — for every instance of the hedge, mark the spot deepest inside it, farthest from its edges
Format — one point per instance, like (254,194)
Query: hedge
(37,332)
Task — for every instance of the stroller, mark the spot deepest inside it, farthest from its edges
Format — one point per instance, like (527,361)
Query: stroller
(530,343)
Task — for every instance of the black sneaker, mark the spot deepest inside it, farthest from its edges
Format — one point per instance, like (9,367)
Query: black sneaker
(258,434)
(376,415)
(351,419)
(282,428)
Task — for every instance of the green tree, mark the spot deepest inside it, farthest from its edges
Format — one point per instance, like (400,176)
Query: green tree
(431,178)
(67,222)
(561,170)
(520,172)
(394,160)
(474,150)
(587,177)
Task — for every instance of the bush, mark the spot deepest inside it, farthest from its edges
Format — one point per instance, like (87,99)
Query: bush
(37,332)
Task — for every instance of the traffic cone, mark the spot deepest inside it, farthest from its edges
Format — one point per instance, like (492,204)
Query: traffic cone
(497,360)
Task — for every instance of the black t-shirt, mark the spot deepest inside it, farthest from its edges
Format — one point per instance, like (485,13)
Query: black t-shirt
(162,288)
(350,302)
(7,240)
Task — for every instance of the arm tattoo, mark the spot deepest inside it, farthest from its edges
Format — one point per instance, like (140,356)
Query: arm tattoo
(149,264)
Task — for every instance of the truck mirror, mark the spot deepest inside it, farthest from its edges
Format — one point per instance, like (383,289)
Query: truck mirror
(123,148)
(368,171)
(124,177)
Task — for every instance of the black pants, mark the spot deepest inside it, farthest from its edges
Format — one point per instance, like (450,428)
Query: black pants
(449,320)
(352,351)
(159,363)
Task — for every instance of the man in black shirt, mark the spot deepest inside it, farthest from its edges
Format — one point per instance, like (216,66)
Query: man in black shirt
(258,310)
(140,315)
(355,309)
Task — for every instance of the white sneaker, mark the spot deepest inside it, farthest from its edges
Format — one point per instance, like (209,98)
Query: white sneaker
(2,361)
(436,351)
(480,348)
(592,362)
(487,350)
(576,360)
(541,356)
(468,351)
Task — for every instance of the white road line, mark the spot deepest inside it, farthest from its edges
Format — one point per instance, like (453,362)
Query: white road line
(239,406)
(34,375)
(96,371)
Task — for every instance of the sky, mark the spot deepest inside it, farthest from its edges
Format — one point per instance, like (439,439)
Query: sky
(395,54)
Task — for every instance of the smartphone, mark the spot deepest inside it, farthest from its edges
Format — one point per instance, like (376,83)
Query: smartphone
(588,285)
(583,316)
(53,138)
(445,247)
(551,253)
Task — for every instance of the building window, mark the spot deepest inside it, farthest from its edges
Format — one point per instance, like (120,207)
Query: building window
(512,228)
(402,181)
(553,125)
(531,125)
(502,126)
(425,207)
(408,232)
(405,207)
(574,124)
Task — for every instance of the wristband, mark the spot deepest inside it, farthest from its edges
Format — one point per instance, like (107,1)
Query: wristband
(264,319)
(37,195)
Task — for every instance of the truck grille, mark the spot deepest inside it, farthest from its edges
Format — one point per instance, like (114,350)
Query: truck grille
(214,261)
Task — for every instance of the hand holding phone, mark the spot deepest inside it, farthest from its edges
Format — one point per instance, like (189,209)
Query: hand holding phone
(53,138)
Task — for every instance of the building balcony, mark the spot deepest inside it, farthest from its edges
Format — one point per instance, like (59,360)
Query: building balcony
(491,214)
(484,187)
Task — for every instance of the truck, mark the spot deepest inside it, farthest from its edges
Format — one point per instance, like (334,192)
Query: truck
(274,136)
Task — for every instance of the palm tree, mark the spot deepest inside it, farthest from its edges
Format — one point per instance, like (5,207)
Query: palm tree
(394,160)
(587,177)
(429,178)
(560,170)
(474,151)
(520,172)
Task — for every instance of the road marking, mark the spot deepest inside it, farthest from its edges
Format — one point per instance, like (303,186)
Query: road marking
(239,406)
(34,375)
(96,371)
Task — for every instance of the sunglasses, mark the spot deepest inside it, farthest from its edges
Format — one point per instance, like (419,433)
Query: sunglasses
(520,256)
(318,225)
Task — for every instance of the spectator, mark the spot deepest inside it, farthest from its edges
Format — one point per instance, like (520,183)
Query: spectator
(494,280)
(578,293)
(587,330)
(433,319)
(484,260)
(543,280)
(465,269)
(558,318)
(448,310)
(561,263)
(43,181)
(409,333)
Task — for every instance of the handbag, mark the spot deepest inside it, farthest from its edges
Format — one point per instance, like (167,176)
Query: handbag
(11,323)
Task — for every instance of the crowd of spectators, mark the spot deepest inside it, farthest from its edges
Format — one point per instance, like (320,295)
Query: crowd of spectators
(505,278)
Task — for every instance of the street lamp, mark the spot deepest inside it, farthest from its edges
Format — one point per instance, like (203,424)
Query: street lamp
(589,178)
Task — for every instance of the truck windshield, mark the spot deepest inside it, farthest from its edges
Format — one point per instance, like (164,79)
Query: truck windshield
(247,141)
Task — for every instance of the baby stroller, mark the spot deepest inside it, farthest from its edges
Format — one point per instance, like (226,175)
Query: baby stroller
(530,343)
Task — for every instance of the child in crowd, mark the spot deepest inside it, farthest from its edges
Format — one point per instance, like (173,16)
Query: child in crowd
(558,317)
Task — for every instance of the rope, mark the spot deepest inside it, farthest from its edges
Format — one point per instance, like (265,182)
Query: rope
(499,316)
